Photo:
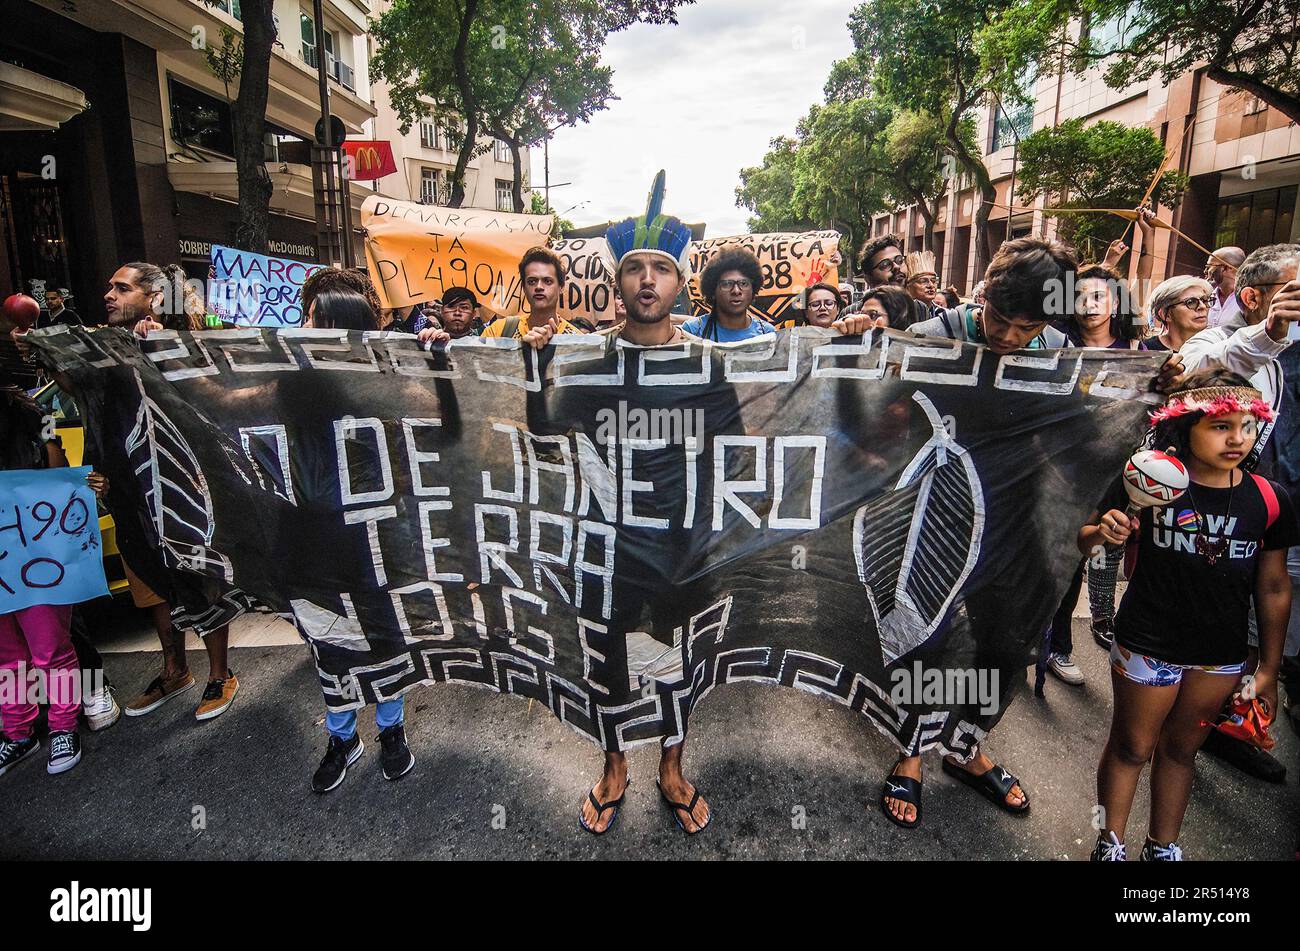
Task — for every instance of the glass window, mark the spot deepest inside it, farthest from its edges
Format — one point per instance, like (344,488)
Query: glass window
(1112,34)
(308,39)
(428,133)
(501,151)
(1012,121)
(1255,219)
(505,195)
(429,186)
(199,120)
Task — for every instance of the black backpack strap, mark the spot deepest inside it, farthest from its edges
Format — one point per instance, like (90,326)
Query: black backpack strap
(710,329)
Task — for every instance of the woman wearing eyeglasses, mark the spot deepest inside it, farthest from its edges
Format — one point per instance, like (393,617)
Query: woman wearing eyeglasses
(823,305)
(1180,306)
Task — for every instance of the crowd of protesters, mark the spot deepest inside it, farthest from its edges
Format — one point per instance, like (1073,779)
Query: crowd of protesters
(1202,630)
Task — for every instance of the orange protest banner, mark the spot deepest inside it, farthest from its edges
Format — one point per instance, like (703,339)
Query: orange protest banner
(416,252)
(789,262)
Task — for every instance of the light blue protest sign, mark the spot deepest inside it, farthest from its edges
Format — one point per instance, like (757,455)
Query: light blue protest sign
(257,290)
(50,549)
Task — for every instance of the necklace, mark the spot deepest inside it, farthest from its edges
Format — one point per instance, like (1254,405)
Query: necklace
(1211,551)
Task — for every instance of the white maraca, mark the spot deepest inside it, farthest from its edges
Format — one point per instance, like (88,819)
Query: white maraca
(1152,478)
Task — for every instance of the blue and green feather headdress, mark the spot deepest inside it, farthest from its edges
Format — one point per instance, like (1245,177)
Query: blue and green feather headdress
(654,232)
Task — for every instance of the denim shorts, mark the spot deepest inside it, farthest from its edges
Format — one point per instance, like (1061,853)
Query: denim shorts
(1151,672)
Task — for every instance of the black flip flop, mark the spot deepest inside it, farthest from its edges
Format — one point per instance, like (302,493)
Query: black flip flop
(601,807)
(904,789)
(993,785)
(678,807)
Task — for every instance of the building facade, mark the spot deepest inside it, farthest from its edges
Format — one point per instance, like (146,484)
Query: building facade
(1242,157)
(127,154)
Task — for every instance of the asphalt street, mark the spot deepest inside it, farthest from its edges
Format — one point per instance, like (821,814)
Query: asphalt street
(788,775)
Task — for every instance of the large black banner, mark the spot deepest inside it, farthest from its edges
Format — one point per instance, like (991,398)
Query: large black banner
(885,521)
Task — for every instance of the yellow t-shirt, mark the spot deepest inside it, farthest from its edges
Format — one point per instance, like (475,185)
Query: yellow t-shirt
(498,326)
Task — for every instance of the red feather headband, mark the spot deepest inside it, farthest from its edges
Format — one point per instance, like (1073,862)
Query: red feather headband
(1216,401)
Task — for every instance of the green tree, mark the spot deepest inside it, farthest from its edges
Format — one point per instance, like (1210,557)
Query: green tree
(925,58)
(916,166)
(516,69)
(225,61)
(840,167)
(1105,165)
(1253,45)
(767,190)
(850,159)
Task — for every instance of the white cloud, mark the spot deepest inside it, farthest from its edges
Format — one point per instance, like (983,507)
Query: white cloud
(701,100)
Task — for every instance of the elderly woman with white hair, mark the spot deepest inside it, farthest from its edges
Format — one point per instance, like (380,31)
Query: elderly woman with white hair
(1181,306)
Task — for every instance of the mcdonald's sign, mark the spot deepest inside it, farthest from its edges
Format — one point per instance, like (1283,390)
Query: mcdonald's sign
(369,160)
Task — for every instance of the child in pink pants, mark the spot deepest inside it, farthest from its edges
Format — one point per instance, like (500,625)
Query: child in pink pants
(38,638)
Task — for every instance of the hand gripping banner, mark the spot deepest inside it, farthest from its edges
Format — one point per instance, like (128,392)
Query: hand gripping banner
(887,521)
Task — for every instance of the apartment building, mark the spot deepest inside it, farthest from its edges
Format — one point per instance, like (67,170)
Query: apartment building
(116,138)
(1243,159)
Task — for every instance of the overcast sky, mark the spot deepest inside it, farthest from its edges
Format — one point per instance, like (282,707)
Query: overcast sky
(700,100)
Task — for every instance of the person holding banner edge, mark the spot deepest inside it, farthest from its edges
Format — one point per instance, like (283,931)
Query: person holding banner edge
(149,298)
(1015,315)
(652,266)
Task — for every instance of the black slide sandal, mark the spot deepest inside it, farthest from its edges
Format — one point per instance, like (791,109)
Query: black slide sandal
(614,804)
(678,807)
(904,789)
(994,786)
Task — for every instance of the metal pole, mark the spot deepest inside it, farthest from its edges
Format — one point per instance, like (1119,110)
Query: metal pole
(328,228)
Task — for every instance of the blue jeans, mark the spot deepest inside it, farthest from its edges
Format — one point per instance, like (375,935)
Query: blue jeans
(343,723)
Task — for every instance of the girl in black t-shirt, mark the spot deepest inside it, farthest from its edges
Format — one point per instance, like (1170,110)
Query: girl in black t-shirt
(1181,631)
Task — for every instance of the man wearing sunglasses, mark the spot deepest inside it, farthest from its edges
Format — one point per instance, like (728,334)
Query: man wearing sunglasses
(884,264)
(1221,271)
(882,261)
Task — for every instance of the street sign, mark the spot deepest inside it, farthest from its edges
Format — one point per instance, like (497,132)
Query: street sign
(337,132)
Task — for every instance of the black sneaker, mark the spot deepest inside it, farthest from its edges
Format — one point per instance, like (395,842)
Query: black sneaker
(333,769)
(1103,633)
(13,752)
(1109,849)
(1247,757)
(395,756)
(1155,852)
(65,751)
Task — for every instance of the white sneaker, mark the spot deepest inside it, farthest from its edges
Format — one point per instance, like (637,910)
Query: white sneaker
(1065,669)
(101,709)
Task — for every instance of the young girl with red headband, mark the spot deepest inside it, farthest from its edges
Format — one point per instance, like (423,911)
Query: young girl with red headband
(1180,644)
